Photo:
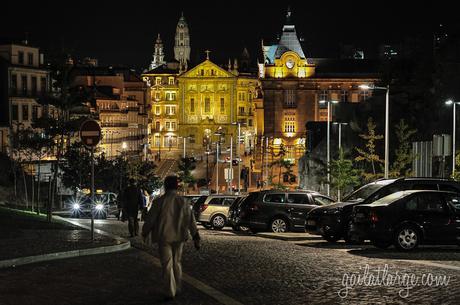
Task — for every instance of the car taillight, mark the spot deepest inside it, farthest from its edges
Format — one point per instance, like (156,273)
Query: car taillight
(373,216)
(203,207)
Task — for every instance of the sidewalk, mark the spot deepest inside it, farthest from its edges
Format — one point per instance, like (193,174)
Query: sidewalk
(130,277)
(25,234)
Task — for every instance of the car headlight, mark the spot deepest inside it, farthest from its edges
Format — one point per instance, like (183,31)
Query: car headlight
(99,206)
(76,206)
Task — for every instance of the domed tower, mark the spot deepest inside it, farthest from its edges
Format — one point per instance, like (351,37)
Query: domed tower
(182,43)
(158,54)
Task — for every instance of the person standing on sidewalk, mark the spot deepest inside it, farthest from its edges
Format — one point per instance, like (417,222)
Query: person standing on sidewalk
(168,223)
(132,203)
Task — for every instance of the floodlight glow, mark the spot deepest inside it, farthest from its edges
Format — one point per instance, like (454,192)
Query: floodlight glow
(99,206)
(449,102)
(365,87)
(76,206)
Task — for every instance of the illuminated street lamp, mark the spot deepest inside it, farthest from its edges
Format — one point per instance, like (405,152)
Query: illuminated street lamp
(328,141)
(451,102)
(387,123)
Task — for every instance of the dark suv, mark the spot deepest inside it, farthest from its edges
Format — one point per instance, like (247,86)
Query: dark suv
(277,211)
(333,221)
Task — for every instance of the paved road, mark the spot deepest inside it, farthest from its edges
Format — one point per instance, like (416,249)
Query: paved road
(255,270)
(166,167)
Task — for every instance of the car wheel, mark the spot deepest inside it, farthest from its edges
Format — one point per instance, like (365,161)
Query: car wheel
(330,237)
(349,238)
(381,244)
(407,238)
(218,222)
(278,225)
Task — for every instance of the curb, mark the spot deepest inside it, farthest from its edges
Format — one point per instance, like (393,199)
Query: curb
(122,244)
(283,237)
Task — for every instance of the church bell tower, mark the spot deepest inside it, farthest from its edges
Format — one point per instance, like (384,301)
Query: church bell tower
(182,43)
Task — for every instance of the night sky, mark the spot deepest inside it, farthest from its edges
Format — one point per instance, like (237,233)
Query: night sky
(123,32)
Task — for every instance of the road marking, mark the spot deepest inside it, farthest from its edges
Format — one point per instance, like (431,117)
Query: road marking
(214,293)
(431,264)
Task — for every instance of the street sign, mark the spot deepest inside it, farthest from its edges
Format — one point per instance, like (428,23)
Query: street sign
(90,133)
(228,173)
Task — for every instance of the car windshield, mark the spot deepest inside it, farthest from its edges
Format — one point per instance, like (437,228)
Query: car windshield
(364,192)
(390,198)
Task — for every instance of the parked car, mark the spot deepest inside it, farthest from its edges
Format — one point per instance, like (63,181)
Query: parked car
(278,211)
(213,211)
(191,199)
(233,213)
(333,221)
(409,218)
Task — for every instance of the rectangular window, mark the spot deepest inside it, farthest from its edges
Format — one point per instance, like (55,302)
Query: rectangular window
(157,126)
(192,105)
(344,96)
(363,95)
(289,98)
(207,105)
(222,105)
(241,111)
(170,96)
(289,124)
(170,110)
(14,112)
(241,96)
(43,85)
(250,122)
(20,57)
(168,125)
(34,112)
(25,112)
(173,125)
(157,95)
(30,57)
(14,83)
(24,84)
(34,85)
(157,110)
(157,80)
(157,141)
(171,81)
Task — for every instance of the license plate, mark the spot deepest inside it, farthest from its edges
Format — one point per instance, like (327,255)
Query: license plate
(311,222)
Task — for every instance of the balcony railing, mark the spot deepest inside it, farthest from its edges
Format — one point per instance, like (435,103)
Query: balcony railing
(26,93)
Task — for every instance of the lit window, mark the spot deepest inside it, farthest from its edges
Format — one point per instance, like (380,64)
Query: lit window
(157,95)
(289,124)
(157,110)
(171,81)
(157,80)
(170,96)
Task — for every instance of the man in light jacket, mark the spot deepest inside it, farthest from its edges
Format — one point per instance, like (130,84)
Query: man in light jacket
(170,221)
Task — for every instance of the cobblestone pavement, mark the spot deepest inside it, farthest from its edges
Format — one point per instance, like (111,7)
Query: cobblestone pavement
(122,278)
(255,270)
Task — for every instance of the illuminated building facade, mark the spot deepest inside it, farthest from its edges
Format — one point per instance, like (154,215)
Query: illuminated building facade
(120,108)
(293,86)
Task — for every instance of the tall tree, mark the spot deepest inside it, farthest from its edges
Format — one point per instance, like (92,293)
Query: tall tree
(403,156)
(343,174)
(369,155)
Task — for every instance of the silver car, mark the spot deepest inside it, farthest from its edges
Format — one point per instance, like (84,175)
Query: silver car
(213,212)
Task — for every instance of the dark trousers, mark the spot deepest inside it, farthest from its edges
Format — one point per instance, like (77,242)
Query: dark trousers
(133,225)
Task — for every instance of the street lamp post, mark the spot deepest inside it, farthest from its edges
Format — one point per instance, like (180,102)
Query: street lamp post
(328,142)
(339,195)
(238,152)
(219,134)
(207,169)
(230,167)
(451,102)
(387,122)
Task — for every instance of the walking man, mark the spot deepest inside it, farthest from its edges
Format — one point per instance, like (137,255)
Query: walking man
(169,221)
(133,202)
